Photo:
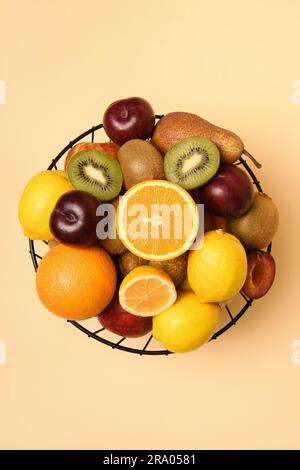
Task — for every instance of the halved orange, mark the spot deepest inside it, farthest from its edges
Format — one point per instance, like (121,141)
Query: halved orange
(157,220)
(147,291)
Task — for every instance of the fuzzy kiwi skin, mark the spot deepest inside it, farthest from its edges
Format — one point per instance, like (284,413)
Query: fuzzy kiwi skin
(128,261)
(113,246)
(176,268)
(174,127)
(257,227)
(140,161)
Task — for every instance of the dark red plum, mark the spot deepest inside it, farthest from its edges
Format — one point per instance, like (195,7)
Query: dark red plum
(229,193)
(131,118)
(73,219)
(115,319)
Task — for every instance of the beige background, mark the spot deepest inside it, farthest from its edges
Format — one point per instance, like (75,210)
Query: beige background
(232,62)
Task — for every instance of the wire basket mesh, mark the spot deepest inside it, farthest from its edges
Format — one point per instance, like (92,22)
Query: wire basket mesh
(148,345)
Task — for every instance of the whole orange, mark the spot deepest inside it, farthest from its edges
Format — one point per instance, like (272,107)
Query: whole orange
(76,283)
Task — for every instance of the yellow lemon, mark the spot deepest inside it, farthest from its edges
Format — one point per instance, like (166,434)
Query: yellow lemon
(38,200)
(217,270)
(187,324)
(147,291)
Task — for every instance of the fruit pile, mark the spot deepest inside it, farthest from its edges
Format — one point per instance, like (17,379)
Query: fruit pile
(123,226)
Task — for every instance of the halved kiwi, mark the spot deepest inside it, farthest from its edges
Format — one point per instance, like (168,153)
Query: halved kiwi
(97,173)
(192,162)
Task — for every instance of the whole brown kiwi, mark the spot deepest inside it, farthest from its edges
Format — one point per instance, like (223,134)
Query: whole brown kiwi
(174,127)
(113,246)
(176,268)
(140,161)
(257,227)
(128,261)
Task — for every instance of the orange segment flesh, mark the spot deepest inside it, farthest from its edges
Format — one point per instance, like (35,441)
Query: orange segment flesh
(167,224)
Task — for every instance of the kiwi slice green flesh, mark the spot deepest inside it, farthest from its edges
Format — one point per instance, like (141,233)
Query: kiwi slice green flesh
(96,173)
(192,162)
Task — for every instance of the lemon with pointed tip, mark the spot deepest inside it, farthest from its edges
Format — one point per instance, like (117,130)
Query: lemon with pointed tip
(217,269)
(38,200)
(187,324)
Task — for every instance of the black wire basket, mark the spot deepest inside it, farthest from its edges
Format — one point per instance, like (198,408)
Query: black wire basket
(114,341)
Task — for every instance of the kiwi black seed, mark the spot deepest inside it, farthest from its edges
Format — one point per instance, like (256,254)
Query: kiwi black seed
(97,173)
(192,162)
